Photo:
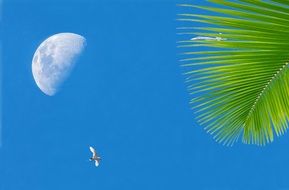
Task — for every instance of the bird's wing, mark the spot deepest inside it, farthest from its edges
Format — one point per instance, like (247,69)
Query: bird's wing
(93,151)
(96,163)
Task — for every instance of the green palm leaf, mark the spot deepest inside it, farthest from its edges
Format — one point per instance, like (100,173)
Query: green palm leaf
(240,84)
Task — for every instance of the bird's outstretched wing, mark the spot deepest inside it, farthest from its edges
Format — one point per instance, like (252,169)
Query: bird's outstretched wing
(93,152)
(96,163)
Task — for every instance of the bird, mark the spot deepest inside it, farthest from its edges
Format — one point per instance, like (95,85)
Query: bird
(94,157)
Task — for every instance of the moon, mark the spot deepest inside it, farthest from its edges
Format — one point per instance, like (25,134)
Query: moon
(54,60)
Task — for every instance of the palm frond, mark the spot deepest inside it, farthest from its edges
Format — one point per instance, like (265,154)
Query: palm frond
(240,80)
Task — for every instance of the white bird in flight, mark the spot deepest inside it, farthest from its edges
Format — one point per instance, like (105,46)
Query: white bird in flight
(94,157)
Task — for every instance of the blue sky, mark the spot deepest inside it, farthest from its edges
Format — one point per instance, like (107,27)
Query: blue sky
(126,97)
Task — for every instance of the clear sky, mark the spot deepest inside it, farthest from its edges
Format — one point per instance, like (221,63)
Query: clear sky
(126,97)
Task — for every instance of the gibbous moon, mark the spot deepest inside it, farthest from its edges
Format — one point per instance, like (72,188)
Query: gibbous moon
(54,60)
